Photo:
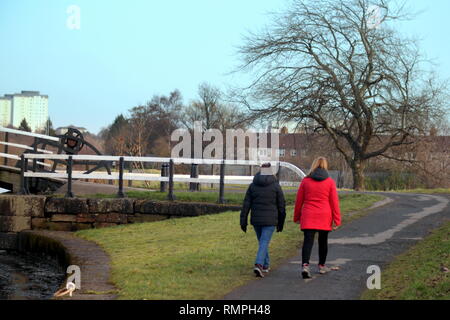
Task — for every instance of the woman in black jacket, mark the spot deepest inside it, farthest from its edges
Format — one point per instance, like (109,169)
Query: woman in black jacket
(265,199)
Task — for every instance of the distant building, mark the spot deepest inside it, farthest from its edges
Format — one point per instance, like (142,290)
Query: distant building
(5,111)
(28,105)
(63,130)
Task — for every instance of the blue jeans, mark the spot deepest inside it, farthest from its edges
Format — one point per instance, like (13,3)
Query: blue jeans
(264,235)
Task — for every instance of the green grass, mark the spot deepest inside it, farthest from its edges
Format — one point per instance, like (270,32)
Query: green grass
(417,274)
(212,197)
(194,258)
(234,198)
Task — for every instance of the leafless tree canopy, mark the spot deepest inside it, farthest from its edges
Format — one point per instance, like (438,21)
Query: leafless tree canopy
(147,129)
(213,111)
(341,67)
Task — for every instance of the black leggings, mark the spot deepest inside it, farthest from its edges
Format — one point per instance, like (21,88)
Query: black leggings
(309,242)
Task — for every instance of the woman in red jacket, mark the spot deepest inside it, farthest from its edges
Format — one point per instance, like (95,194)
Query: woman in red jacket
(316,208)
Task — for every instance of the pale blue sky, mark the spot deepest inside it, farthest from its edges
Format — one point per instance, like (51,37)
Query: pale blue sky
(127,51)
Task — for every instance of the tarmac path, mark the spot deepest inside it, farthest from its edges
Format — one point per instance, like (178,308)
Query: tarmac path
(374,239)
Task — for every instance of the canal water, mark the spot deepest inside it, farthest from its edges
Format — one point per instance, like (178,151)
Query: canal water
(27,277)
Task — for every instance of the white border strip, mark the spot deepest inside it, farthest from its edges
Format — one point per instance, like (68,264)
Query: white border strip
(9,156)
(14,157)
(29,134)
(23,146)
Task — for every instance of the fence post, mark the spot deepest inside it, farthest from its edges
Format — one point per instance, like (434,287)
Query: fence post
(171,196)
(23,181)
(130,170)
(35,152)
(113,167)
(120,194)
(193,186)
(164,173)
(5,161)
(86,167)
(69,193)
(222,183)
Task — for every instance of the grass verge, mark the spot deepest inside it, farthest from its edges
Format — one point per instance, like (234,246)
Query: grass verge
(195,258)
(212,197)
(417,274)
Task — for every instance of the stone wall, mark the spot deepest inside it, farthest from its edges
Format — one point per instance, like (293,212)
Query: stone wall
(19,213)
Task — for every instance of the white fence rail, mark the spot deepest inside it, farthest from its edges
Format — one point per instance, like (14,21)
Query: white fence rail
(23,146)
(154,177)
(14,157)
(168,178)
(29,134)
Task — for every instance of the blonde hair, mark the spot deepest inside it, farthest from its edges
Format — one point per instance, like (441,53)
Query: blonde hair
(320,162)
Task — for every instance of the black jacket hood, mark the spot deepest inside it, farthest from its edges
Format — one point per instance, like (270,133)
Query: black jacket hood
(263,180)
(319,174)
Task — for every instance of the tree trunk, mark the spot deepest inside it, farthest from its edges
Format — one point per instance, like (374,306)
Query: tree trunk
(358,175)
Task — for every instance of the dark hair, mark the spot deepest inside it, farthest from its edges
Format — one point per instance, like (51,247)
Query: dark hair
(266,165)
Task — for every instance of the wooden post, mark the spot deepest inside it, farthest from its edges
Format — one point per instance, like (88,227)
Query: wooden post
(5,161)
(222,183)
(120,194)
(193,186)
(23,179)
(69,193)
(171,196)
(164,173)
(130,170)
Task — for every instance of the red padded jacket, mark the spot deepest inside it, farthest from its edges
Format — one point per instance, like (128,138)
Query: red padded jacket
(317,204)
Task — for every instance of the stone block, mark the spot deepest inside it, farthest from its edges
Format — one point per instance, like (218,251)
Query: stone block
(24,206)
(14,223)
(186,209)
(60,226)
(82,226)
(66,205)
(85,218)
(144,206)
(117,218)
(110,205)
(39,223)
(63,218)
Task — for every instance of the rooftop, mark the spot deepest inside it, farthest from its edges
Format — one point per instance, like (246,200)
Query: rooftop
(24,93)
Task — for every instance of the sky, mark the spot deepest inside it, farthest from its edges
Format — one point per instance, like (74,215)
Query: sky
(125,52)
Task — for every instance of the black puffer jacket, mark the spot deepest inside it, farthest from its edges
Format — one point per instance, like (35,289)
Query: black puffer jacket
(265,199)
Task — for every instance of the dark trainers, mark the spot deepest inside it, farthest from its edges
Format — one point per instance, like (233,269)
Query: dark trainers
(306,273)
(258,270)
(265,269)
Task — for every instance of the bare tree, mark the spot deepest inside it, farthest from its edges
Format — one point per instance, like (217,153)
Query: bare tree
(204,109)
(341,68)
(214,113)
(166,116)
